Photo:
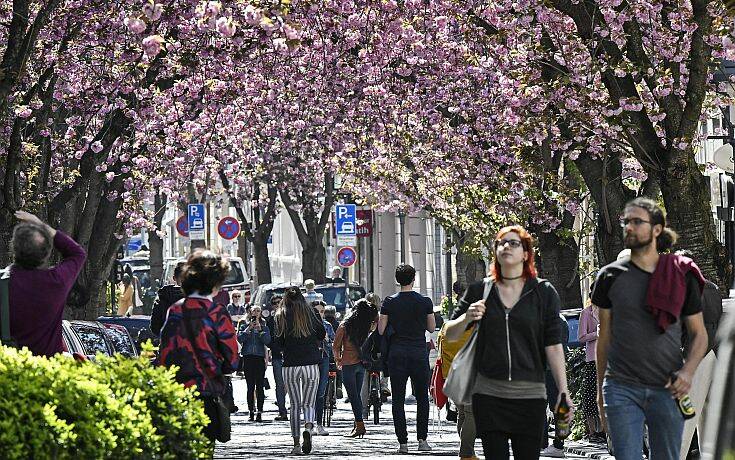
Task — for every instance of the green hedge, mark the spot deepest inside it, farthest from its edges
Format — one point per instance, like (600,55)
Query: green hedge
(115,408)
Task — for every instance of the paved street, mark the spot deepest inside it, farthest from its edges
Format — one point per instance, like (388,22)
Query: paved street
(273,439)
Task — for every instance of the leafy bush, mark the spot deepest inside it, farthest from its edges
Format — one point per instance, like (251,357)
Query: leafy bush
(114,408)
(575,363)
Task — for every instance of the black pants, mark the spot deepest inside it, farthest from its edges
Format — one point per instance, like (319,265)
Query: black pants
(405,363)
(519,420)
(255,375)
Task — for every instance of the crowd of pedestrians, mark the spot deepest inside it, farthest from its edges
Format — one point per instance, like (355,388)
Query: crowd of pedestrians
(648,333)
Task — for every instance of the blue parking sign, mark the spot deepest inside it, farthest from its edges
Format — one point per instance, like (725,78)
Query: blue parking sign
(197,221)
(346,219)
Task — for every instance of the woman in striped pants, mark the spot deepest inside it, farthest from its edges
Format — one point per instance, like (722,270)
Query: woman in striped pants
(300,331)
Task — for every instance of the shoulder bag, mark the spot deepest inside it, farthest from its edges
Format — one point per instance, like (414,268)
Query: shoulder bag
(215,406)
(460,382)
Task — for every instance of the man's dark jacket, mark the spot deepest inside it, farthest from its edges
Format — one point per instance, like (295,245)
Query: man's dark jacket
(167,296)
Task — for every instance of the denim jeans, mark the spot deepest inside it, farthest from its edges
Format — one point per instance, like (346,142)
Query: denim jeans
(353,375)
(280,387)
(628,407)
(405,363)
(322,389)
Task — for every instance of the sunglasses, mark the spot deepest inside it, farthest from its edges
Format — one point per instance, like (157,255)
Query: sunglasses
(236,296)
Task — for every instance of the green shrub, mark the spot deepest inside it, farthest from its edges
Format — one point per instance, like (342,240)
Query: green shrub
(114,408)
(575,363)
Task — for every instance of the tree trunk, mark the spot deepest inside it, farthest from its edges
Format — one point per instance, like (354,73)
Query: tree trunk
(470,267)
(6,232)
(314,261)
(686,195)
(603,178)
(155,242)
(558,262)
(262,260)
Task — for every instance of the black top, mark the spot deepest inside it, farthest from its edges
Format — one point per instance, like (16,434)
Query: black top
(407,312)
(275,346)
(639,353)
(167,296)
(516,350)
(302,351)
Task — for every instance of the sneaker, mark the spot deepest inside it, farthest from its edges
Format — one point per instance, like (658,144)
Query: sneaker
(552,451)
(306,444)
(252,416)
(424,446)
(320,431)
(296,450)
(451,415)
(259,418)
(281,418)
(403,448)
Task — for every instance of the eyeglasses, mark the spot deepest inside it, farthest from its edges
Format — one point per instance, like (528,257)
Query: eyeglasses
(511,243)
(633,220)
(236,296)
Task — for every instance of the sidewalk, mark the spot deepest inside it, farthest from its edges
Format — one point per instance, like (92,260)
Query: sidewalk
(272,440)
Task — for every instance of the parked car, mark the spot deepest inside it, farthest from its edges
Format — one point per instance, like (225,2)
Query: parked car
(572,317)
(718,440)
(137,326)
(72,343)
(237,278)
(264,292)
(121,340)
(93,338)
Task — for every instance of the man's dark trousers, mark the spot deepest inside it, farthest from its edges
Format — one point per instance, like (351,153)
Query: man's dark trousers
(406,362)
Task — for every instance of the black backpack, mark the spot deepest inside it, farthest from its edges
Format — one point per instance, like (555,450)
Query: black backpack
(5,337)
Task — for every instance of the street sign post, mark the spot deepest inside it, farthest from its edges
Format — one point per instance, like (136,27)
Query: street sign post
(346,219)
(197,221)
(228,228)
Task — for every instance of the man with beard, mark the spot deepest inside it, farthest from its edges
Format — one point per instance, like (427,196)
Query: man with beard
(644,302)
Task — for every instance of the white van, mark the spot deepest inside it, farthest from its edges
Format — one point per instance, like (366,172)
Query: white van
(237,278)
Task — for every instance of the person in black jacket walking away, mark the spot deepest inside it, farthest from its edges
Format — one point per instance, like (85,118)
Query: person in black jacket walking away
(168,295)
(519,331)
(300,332)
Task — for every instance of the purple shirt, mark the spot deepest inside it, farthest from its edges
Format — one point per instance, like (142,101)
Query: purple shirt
(37,299)
(588,322)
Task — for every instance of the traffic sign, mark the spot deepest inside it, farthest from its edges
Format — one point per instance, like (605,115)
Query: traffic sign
(346,240)
(346,219)
(197,221)
(228,228)
(346,257)
(182,227)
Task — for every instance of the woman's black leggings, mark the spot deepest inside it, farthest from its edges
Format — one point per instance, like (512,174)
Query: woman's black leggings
(255,377)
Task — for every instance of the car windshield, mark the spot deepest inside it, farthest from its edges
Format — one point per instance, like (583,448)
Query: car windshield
(92,339)
(144,277)
(134,262)
(357,293)
(121,342)
(334,296)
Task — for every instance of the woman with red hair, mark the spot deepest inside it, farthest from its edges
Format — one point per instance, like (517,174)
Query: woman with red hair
(519,332)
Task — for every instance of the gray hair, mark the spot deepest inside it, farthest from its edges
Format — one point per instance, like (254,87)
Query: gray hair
(31,246)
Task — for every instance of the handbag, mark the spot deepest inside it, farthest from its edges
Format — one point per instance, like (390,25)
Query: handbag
(5,337)
(460,382)
(437,384)
(215,406)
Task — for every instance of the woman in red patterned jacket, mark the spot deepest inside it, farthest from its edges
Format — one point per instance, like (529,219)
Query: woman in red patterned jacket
(198,335)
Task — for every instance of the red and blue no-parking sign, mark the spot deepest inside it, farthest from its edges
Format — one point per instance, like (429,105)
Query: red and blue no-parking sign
(182,226)
(346,257)
(228,228)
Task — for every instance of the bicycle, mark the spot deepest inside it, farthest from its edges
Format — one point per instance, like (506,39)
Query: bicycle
(330,399)
(375,399)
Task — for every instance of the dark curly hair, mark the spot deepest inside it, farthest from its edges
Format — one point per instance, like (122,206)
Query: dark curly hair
(357,325)
(31,246)
(204,272)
